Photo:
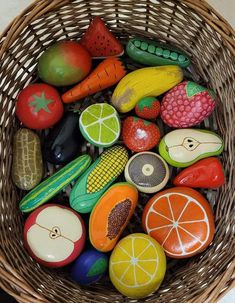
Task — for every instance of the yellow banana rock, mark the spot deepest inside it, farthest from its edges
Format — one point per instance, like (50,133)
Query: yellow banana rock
(145,82)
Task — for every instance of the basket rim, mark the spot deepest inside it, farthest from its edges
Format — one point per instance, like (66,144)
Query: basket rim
(23,291)
(39,7)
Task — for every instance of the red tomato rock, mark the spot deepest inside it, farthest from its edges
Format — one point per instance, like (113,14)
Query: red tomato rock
(54,235)
(206,173)
(148,108)
(187,104)
(39,106)
(140,135)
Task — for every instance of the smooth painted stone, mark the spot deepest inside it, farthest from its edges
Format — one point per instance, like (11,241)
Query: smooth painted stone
(89,267)
(97,179)
(100,124)
(27,166)
(206,173)
(51,186)
(154,53)
(187,104)
(111,215)
(181,220)
(148,171)
(63,142)
(148,108)
(137,266)
(54,235)
(183,147)
(139,135)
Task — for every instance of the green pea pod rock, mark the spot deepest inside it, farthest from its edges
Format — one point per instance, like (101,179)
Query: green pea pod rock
(153,53)
(54,184)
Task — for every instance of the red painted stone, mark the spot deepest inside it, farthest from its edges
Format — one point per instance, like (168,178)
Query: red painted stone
(140,135)
(187,104)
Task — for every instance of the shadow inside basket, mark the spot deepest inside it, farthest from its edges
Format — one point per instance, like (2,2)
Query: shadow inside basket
(175,267)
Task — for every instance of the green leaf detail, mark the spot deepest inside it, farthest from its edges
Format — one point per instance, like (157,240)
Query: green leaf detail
(147,122)
(146,102)
(98,268)
(212,94)
(193,88)
(40,102)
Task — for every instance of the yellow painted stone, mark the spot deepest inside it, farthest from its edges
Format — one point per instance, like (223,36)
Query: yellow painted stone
(137,266)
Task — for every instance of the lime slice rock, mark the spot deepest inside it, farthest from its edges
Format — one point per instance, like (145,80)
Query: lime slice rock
(100,125)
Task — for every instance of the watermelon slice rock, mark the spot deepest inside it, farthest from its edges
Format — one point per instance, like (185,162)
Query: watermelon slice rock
(99,41)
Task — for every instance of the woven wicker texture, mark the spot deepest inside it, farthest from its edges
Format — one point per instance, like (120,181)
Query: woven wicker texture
(190,24)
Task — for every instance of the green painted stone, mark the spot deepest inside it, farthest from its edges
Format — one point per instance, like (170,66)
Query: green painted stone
(153,53)
(97,179)
(100,125)
(183,147)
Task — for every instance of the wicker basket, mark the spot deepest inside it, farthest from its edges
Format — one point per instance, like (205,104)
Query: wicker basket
(190,24)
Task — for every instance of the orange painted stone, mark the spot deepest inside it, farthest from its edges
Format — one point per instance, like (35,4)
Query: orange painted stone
(181,220)
(111,214)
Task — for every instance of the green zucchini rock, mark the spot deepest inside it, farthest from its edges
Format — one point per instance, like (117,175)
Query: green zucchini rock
(54,184)
(27,167)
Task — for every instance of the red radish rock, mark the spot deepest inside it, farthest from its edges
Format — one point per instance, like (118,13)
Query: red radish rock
(54,235)
(99,41)
(148,108)
(140,135)
(187,104)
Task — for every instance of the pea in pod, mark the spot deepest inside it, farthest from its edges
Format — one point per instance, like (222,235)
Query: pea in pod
(54,184)
(153,53)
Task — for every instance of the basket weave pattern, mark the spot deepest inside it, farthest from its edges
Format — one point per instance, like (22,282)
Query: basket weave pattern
(193,26)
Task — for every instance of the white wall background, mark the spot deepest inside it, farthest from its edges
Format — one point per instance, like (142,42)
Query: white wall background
(10,8)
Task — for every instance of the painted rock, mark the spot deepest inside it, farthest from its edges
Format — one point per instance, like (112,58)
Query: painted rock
(39,106)
(99,41)
(54,235)
(47,189)
(154,53)
(137,266)
(147,171)
(148,108)
(133,86)
(89,267)
(106,74)
(206,173)
(97,179)
(27,166)
(64,63)
(111,215)
(183,147)
(63,142)
(140,135)
(181,220)
(100,125)
(187,104)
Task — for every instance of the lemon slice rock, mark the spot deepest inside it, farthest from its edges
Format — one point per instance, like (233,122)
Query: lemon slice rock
(100,125)
(137,265)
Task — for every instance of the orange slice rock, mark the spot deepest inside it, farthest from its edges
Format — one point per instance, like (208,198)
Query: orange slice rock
(181,220)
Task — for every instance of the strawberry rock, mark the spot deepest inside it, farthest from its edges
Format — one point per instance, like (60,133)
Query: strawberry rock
(148,108)
(140,135)
(187,104)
